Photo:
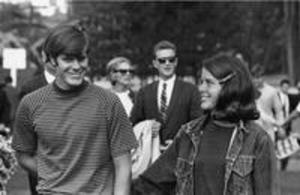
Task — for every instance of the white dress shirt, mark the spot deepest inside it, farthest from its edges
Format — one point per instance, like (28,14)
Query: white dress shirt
(49,77)
(170,86)
(285,103)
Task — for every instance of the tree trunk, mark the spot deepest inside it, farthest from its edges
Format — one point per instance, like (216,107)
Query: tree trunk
(292,39)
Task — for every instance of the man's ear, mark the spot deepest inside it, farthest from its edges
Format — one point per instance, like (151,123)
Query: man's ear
(154,64)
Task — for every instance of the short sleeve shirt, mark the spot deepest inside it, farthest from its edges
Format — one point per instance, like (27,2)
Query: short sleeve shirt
(75,135)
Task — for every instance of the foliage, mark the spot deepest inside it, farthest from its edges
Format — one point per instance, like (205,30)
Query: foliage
(199,29)
(21,26)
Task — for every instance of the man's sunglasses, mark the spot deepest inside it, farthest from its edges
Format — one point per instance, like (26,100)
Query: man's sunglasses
(164,60)
(124,71)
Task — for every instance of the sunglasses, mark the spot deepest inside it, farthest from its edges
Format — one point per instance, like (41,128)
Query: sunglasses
(164,60)
(123,71)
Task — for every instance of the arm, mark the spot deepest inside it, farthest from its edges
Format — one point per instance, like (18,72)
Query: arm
(28,162)
(122,174)
(121,140)
(265,170)
(25,138)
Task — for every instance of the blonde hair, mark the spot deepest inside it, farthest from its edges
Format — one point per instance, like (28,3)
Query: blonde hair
(116,61)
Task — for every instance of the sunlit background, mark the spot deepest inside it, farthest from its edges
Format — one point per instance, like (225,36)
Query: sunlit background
(45,7)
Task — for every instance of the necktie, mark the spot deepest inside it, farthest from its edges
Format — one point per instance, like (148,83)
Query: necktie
(281,97)
(163,102)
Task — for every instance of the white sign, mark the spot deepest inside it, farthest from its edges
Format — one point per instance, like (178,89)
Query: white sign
(14,59)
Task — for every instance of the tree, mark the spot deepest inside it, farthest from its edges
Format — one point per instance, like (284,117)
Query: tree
(199,29)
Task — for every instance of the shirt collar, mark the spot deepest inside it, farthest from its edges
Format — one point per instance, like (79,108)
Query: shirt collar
(169,81)
(49,77)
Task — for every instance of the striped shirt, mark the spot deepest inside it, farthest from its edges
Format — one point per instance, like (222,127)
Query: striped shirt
(75,135)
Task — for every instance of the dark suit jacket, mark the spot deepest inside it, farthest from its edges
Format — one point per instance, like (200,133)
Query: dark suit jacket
(33,84)
(4,107)
(183,107)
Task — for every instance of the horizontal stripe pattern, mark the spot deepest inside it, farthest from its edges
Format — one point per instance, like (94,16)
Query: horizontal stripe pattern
(77,134)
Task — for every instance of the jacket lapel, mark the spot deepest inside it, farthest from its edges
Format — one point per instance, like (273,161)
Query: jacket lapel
(153,98)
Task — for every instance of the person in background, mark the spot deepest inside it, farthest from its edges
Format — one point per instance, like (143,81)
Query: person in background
(283,96)
(72,135)
(285,102)
(270,107)
(223,151)
(120,72)
(13,98)
(4,105)
(168,102)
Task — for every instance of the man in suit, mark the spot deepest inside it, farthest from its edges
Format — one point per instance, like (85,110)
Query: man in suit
(285,104)
(169,101)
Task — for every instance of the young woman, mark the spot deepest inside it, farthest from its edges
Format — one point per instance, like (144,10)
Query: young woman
(223,151)
(120,72)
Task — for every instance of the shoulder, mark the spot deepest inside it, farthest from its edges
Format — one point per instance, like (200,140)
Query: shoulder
(192,126)
(256,131)
(148,87)
(151,85)
(37,97)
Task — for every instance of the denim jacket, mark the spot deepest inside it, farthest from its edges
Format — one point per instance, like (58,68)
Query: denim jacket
(250,164)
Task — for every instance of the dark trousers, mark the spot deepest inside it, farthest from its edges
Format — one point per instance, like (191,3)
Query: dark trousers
(284,162)
(32,184)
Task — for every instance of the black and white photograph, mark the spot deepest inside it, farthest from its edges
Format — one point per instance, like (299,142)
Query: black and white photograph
(149,97)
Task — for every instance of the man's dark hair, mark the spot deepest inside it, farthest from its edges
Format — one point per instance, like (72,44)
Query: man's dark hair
(164,45)
(237,97)
(65,39)
(284,81)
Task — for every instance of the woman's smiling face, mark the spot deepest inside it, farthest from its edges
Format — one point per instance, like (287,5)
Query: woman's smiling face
(210,89)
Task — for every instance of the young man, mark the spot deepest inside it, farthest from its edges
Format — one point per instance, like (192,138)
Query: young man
(170,101)
(73,135)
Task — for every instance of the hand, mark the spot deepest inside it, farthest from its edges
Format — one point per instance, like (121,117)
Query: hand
(155,128)
(168,142)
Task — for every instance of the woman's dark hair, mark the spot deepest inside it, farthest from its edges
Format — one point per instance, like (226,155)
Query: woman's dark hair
(237,97)
(65,39)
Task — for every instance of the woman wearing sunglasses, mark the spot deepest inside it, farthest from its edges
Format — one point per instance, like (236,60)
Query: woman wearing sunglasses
(120,72)
(223,151)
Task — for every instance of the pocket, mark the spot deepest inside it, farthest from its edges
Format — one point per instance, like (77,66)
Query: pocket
(244,165)
(240,181)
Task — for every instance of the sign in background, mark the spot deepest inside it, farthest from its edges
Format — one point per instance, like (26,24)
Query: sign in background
(14,59)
